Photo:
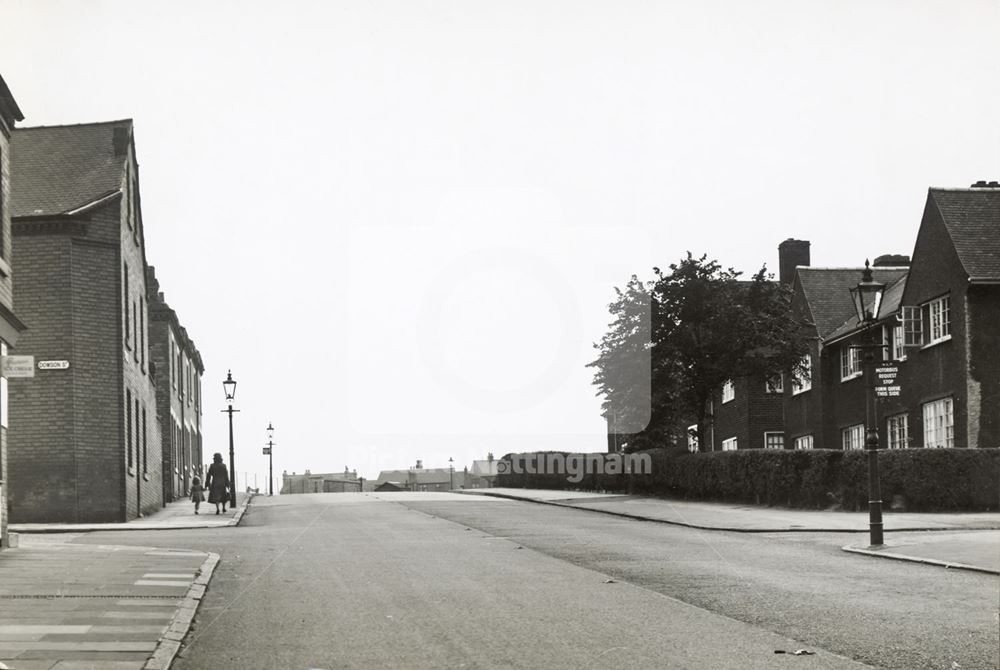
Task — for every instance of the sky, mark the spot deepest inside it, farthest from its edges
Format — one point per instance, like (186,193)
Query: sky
(400,223)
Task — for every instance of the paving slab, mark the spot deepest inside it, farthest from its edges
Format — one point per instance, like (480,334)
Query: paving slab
(66,606)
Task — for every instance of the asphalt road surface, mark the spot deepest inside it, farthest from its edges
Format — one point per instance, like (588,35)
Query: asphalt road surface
(450,581)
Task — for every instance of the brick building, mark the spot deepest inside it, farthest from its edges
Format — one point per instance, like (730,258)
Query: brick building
(748,412)
(939,324)
(85,440)
(332,482)
(178,393)
(10,325)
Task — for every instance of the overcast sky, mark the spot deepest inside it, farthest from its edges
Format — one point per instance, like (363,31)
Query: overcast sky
(399,223)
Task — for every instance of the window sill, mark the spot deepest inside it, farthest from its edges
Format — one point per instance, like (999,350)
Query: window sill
(946,338)
(131,472)
(145,476)
(795,393)
(850,377)
(4,268)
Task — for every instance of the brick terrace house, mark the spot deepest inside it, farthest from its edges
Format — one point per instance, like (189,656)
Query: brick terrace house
(307,482)
(939,323)
(178,393)
(748,412)
(85,444)
(10,325)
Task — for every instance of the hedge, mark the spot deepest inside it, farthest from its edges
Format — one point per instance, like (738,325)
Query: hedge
(927,479)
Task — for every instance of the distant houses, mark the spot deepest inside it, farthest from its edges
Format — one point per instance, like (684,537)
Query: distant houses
(108,425)
(333,482)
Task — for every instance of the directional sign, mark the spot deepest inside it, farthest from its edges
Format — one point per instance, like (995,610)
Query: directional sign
(267,451)
(53,365)
(886,385)
(18,366)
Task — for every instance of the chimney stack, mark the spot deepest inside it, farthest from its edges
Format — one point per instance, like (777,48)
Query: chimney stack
(891,261)
(791,254)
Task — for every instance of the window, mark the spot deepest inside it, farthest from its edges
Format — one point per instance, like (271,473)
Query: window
(939,312)
(137,429)
(892,343)
(802,378)
(804,442)
(173,372)
(692,432)
(853,437)
(145,444)
(2,254)
(135,333)
(128,430)
(127,302)
(3,391)
(939,424)
(728,391)
(775,384)
(850,362)
(142,334)
(774,440)
(896,432)
(729,445)
(913,327)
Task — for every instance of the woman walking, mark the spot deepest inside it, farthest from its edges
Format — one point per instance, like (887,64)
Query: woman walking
(218,482)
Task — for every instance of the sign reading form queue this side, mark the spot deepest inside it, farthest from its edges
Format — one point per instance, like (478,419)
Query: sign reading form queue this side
(885,381)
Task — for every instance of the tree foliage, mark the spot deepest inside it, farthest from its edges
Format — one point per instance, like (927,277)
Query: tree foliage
(703,325)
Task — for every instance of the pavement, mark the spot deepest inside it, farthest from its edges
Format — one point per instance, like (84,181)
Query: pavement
(960,540)
(67,606)
(173,516)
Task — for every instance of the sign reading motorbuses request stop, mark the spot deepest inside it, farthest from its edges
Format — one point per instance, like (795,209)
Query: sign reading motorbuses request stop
(885,381)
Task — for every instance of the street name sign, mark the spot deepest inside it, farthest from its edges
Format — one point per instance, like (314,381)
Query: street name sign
(885,381)
(18,366)
(267,451)
(53,365)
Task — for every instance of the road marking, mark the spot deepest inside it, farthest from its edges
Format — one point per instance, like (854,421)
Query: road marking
(168,575)
(23,629)
(160,582)
(195,554)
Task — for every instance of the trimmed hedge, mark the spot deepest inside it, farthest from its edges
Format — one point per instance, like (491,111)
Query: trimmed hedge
(928,479)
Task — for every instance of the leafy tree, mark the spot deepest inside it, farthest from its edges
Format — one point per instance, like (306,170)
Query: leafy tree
(706,326)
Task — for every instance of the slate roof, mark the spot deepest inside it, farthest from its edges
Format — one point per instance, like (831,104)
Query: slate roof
(58,169)
(891,300)
(972,217)
(827,292)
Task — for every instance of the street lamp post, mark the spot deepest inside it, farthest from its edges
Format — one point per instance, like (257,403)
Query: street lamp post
(451,473)
(229,386)
(270,459)
(867,299)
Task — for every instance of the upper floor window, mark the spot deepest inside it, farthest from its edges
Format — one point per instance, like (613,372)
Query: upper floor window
(728,391)
(803,442)
(775,384)
(927,324)
(729,444)
(850,362)
(853,437)
(802,378)
(127,302)
(774,440)
(896,432)
(892,343)
(939,423)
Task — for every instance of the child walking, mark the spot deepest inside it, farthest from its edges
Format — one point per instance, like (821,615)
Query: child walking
(197,493)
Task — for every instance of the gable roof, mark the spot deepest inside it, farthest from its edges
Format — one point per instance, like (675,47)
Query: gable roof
(61,169)
(972,218)
(828,293)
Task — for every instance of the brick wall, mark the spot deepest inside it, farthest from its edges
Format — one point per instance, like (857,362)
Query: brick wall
(984,366)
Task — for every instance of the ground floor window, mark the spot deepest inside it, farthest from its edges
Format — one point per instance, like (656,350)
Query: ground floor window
(774,440)
(897,436)
(729,445)
(853,437)
(939,424)
(804,442)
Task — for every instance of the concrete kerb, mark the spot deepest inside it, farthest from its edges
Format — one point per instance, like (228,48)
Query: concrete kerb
(685,524)
(170,642)
(867,551)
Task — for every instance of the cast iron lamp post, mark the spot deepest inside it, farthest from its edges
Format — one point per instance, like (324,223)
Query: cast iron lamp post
(270,459)
(451,473)
(229,386)
(867,299)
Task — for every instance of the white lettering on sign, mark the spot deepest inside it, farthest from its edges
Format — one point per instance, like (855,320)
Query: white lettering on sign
(53,365)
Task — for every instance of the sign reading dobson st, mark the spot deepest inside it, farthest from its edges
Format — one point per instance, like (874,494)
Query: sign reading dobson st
(53,365)
(17,366)
(885,381)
